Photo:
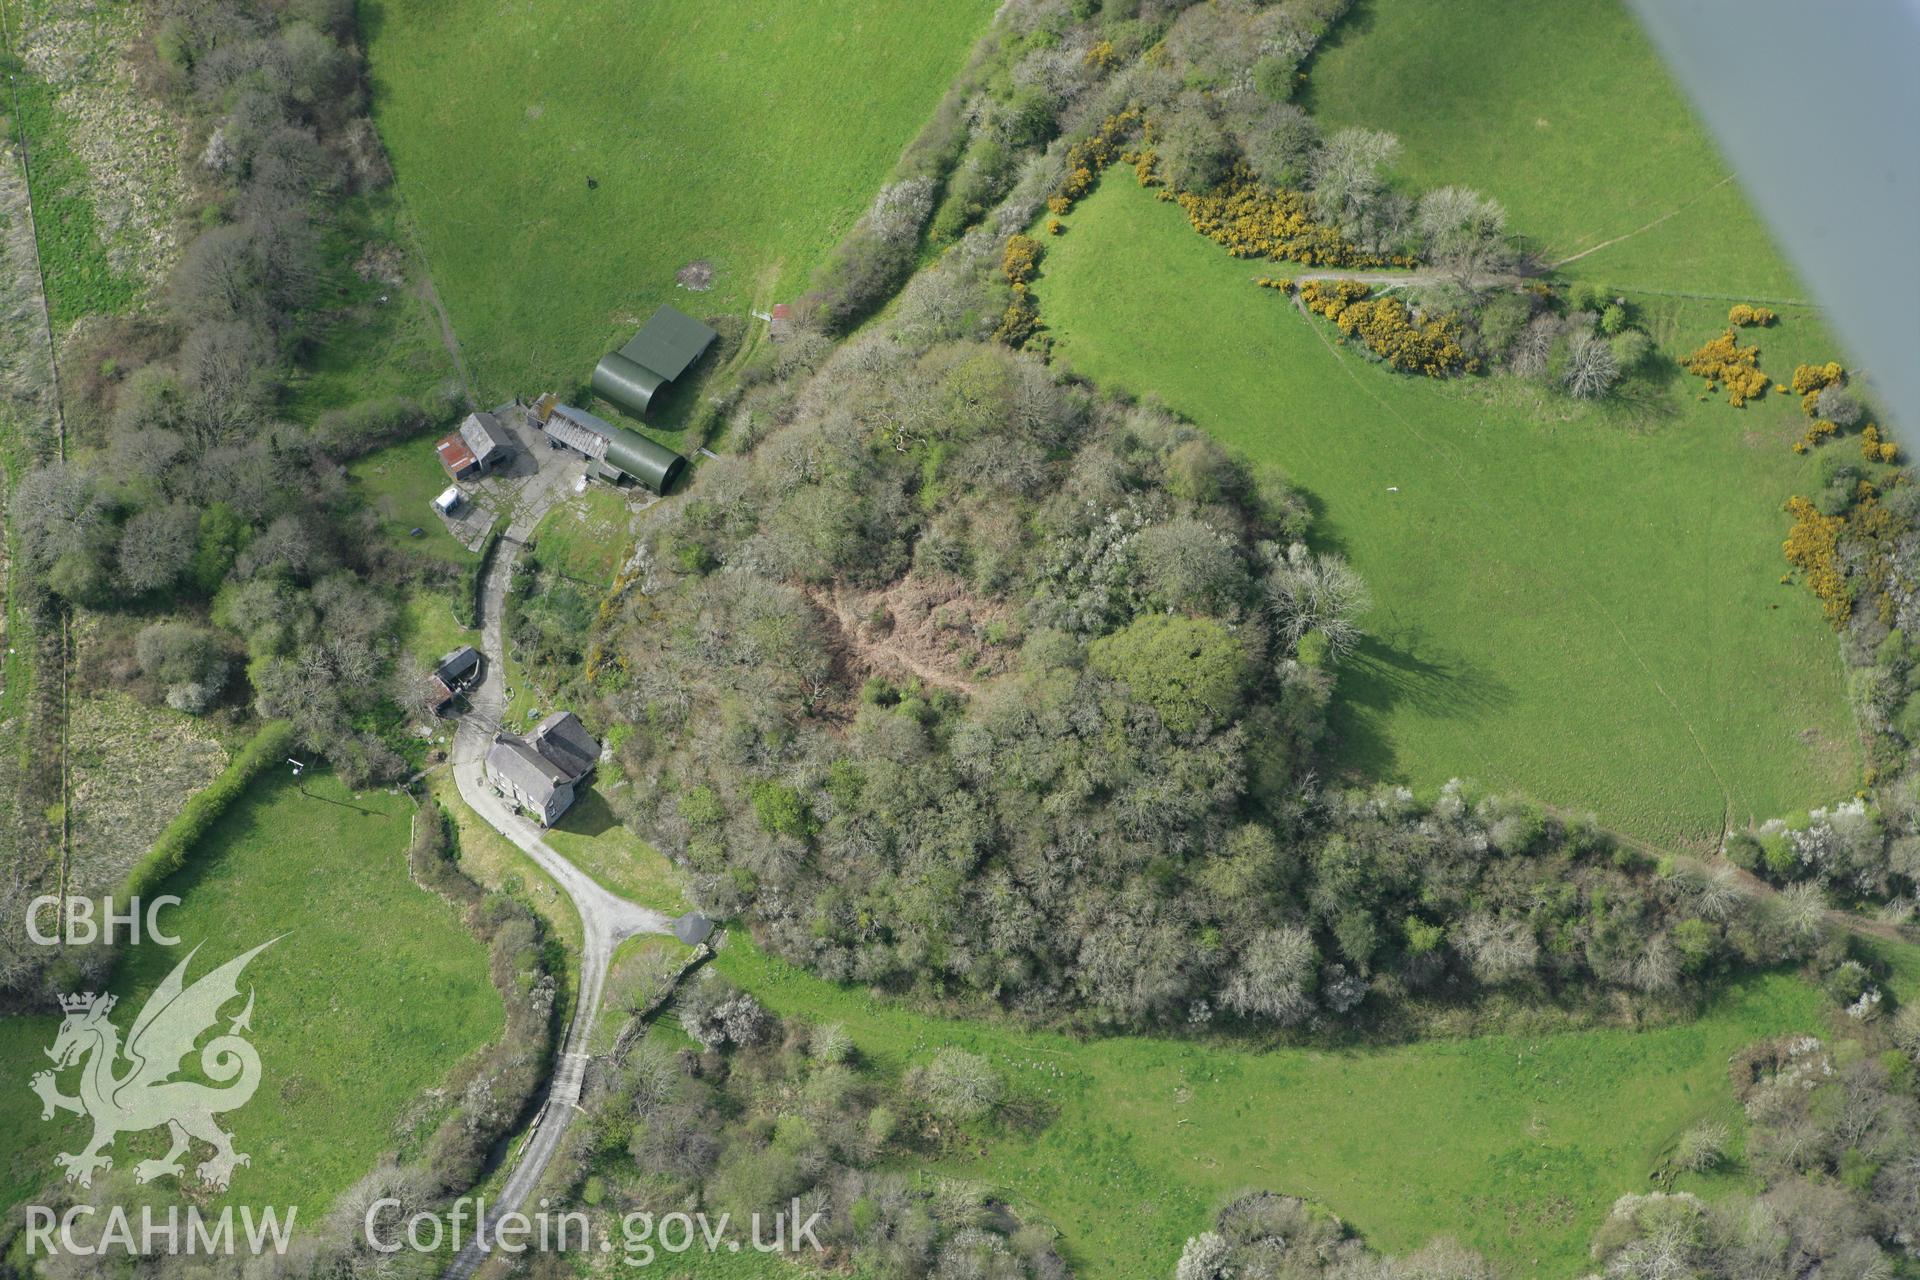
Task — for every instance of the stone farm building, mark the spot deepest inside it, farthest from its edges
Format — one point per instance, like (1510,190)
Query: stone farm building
(478,446)
(540,771)
(451,676)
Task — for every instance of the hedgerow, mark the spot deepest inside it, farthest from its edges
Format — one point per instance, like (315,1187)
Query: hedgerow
(169,852)
(525,963)
(1389,330)
(1255,222)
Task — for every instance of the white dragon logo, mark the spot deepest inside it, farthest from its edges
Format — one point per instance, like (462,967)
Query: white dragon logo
(146,1096)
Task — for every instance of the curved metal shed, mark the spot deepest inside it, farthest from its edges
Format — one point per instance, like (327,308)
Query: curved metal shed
(652,464)
(630,377)
(625,382)
(615,449)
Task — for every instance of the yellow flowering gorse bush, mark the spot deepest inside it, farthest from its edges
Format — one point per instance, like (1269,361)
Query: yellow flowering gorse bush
(1254,222)
(1724,360)
(1874,449)
(1809,380)
(1813,547)
(1087,157)
(1431,347)
(1019,263)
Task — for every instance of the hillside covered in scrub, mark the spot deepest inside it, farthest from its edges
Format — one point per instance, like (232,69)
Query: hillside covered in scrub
(1198,699)
(970,681)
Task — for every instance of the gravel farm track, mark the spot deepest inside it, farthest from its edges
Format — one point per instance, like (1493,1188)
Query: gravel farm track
(606,920)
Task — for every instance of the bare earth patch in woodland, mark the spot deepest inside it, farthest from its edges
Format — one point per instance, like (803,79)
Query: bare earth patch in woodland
(929,629)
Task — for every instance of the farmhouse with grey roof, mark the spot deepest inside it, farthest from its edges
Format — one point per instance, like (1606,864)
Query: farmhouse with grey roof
(541,771)
(565,741)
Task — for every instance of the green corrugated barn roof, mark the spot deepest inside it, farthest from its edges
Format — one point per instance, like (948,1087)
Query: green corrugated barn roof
(649,462)
(621,381)
(670,342)
(659,353)
(641,459)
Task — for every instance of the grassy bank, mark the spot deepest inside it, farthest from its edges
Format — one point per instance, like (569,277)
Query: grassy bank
(1581,602)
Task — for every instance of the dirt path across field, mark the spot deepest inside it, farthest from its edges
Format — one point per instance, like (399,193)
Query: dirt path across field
(448,339)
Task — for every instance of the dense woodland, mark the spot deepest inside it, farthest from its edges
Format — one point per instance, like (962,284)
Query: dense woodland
(969,681)
(189,502)
(212,538)
(1099,799)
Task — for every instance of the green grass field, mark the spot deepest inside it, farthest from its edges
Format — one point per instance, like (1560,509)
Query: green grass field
(1580,603)
(398,484)
(586,538)
(749,135)
(380,338)
(1567,115)
(428,628)
(373,993)
(1514,1145)
(591,837)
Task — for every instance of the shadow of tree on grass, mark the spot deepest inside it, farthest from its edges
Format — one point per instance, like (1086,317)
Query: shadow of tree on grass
(1402,669)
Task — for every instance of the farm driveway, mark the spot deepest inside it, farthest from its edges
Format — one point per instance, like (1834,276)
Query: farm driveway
(606,920)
